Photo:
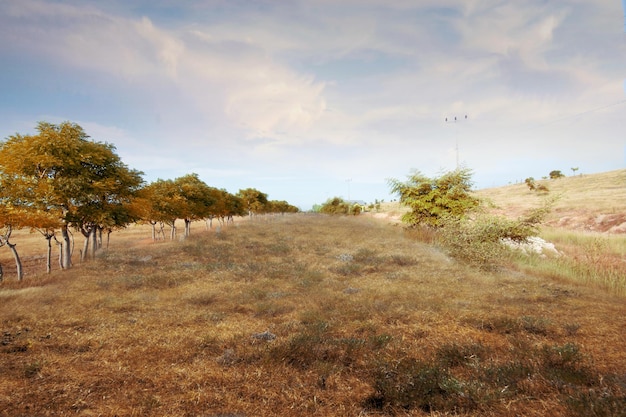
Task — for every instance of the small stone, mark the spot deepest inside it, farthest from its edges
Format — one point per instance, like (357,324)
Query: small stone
(266,335)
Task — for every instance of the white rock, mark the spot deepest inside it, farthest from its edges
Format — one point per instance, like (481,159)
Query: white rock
(533,244)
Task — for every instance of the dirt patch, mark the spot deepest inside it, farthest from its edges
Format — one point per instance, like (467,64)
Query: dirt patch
(603,223)
(614,223)
(387,216)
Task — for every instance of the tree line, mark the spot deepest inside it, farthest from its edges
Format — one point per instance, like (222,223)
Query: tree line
(59,181)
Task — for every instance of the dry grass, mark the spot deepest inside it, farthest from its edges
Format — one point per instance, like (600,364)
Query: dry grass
(594,202)
(587,224)
(304,315)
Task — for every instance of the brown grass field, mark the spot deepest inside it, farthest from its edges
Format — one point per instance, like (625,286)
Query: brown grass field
(309,315)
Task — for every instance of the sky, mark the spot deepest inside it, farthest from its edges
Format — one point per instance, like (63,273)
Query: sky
(309,99)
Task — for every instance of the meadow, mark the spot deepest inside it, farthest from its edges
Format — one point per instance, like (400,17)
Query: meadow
(304,315)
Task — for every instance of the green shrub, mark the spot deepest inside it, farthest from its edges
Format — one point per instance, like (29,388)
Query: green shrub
(565,365)
(447,204)
(335,205)
(413,384)
(535,325)
(556,174)
(432,200)
(506,376)
(315,347)
(32,369)
(597,404)
(479,240)
(475,242)
(456,354)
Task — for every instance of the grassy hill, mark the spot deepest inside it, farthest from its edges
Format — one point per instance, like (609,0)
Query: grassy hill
(592,202)
(304,315)
(589,202)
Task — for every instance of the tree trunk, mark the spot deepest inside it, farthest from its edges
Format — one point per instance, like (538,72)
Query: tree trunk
(60,245)
(153,224)
(94,241)
(49,254)
(187,227)
(100,230)
(173,231)
(162,230)
(66,249)
(85,252)
(18,262)
(1,273)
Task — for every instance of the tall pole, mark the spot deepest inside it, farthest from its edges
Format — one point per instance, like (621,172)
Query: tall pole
(456,136)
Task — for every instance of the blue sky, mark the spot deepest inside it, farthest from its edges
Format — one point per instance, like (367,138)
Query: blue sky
(310,99)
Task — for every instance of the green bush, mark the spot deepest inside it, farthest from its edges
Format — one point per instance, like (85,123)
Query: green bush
(598,404)
(413,384)
(446,204)
(335,205)
(478,241)
(432,200)
(556,174)
(456,354)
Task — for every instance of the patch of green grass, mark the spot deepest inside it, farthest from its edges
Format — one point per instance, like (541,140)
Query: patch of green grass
(597,403)
(456,354)
(415,384)
(535,325)
(32,369)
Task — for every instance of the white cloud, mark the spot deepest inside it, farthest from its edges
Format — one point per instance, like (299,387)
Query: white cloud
(235,76)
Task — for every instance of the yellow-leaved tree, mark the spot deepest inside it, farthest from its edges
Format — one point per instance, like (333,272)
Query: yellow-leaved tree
(59,179)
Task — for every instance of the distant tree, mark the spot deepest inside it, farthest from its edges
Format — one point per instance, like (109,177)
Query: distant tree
(234,207)
(556,174)
(530,182)
(432,200)
(218,208)
(163,205)
(335,205)
(197,199)
(281,207)
(254,201)
(574,170)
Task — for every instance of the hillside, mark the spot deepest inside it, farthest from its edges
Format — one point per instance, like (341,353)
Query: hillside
(589,202)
